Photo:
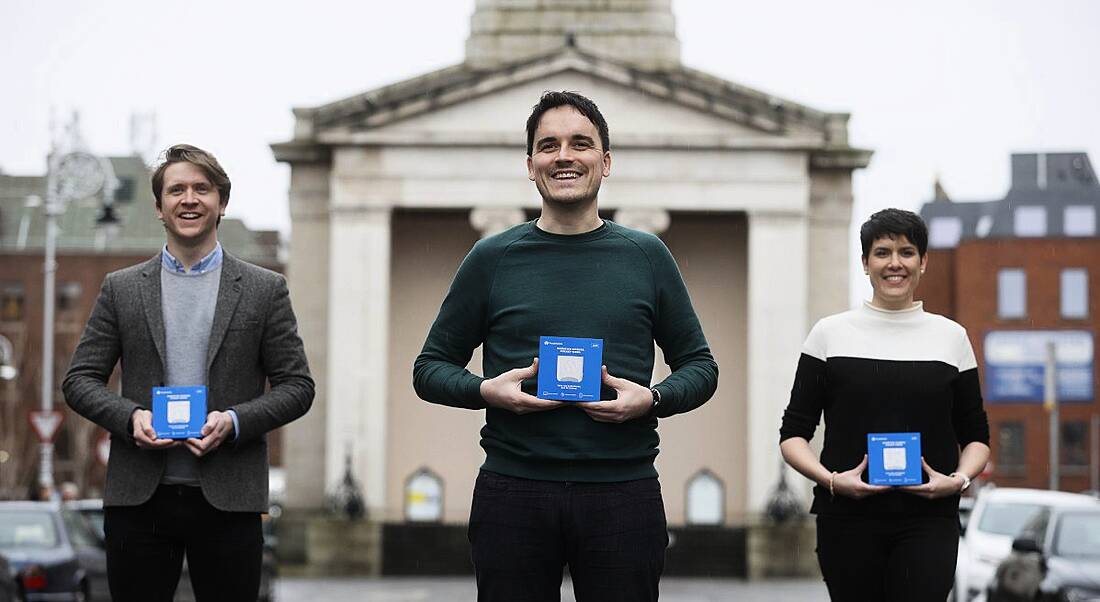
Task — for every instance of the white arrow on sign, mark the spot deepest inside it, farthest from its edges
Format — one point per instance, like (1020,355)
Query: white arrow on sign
(46,423)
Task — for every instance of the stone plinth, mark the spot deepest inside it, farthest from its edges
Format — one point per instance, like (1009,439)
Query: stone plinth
(323,546)
(782,550)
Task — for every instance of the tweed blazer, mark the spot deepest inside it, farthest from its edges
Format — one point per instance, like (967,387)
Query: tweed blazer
(253,340)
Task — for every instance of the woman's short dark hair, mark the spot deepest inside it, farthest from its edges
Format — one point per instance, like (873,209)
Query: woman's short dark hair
(185,153)
(584,106)
(891,223)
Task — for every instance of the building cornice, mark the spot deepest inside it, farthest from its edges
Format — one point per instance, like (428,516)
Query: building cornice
(840,158)
(297,151)
(355,119)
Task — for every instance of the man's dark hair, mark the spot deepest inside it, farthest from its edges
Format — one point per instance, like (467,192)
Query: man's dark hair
(584,106)
(891,223)
(185,153)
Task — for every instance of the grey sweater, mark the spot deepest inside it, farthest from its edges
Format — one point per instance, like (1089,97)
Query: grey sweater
(187,301)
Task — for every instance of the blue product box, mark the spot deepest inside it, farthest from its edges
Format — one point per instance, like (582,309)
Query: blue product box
(179,412)
(894,459)
(570,369)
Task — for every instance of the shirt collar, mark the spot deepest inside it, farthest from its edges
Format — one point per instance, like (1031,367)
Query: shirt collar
(210,262)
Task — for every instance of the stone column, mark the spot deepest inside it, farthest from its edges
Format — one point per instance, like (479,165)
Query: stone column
(494,220)
(304,439)
(830,263)
(777,326)
(359,294)
(830,260)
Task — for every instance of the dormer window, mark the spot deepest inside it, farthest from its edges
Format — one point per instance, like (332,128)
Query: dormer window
(944,232)
(1079,220)
(1030,221)
(985,224)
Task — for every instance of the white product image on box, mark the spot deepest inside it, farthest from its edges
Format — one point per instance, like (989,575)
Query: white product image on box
(570,368)
(893,458)
(179,412)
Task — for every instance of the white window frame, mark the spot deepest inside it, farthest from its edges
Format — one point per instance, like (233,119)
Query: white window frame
(423,511)
(1030,221)
(1073,293)
(1011,281)
(1079,220)
(944,232)
(707,510)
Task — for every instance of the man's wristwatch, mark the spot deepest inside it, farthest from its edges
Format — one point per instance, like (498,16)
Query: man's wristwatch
(966,480)
(656,399)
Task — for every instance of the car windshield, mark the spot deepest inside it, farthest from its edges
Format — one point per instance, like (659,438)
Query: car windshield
(1078,535)
(94,518)
(1007,519)
(27,529)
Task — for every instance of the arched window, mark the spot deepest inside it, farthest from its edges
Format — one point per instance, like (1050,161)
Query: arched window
(424,497)
(706,496)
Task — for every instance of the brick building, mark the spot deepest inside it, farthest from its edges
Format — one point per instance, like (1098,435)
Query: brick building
(1020,273)
(85,254)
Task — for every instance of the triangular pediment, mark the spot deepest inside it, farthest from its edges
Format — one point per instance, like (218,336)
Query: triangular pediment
(680,103)
(672,108)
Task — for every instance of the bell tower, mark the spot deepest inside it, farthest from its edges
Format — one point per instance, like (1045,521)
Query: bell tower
(640,32)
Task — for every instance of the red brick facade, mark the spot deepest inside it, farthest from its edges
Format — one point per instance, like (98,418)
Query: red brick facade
(962,284)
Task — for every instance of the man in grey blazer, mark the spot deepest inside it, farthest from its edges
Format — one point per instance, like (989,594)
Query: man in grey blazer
(192,315)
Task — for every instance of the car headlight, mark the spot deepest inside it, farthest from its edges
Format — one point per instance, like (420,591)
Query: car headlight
(1078,594)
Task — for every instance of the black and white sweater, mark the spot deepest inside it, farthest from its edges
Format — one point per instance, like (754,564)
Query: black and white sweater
(879,371)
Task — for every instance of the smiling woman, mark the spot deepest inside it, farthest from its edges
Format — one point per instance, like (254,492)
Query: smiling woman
(888,369)
(894,266)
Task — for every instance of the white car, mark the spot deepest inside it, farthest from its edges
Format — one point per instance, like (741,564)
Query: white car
(997,518)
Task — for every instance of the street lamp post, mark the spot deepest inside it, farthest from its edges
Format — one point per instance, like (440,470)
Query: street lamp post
(1050,402)
(72,176)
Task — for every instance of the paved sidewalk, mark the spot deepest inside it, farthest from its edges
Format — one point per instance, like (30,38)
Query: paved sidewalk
(461,589)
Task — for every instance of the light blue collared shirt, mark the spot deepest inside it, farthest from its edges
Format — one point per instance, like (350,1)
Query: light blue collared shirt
(212,261)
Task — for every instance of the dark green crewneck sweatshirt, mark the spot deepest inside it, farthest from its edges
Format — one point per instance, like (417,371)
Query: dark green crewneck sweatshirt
(612,283)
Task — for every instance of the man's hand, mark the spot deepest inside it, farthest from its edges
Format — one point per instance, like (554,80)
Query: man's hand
(218,427)
(144,435)
(631,401)
(938,485)
(504,392)
(849,483)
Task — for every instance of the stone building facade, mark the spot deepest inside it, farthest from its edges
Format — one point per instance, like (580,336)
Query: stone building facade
(390,188)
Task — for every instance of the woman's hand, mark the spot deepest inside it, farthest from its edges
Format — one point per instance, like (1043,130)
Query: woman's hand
(938,485)
(849,483)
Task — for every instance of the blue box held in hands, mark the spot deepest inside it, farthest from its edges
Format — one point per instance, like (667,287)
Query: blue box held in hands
(569,368)
(894,459)
(179,412)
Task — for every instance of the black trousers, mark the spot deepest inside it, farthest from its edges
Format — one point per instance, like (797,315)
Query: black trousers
(146,545)
(611,535)
(900,559)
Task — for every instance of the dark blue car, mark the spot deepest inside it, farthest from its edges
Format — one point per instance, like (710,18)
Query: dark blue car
(54,553)
(9,588)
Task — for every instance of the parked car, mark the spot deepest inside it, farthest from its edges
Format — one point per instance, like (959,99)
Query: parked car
(92,511)
(998,517)
(966,506)
(1056,558)
(9,587)
(54,553)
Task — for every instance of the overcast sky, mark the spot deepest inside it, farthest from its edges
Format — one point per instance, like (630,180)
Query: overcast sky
(939,87)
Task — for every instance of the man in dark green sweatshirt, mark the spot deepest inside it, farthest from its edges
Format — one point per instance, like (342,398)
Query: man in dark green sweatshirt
(567,482)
